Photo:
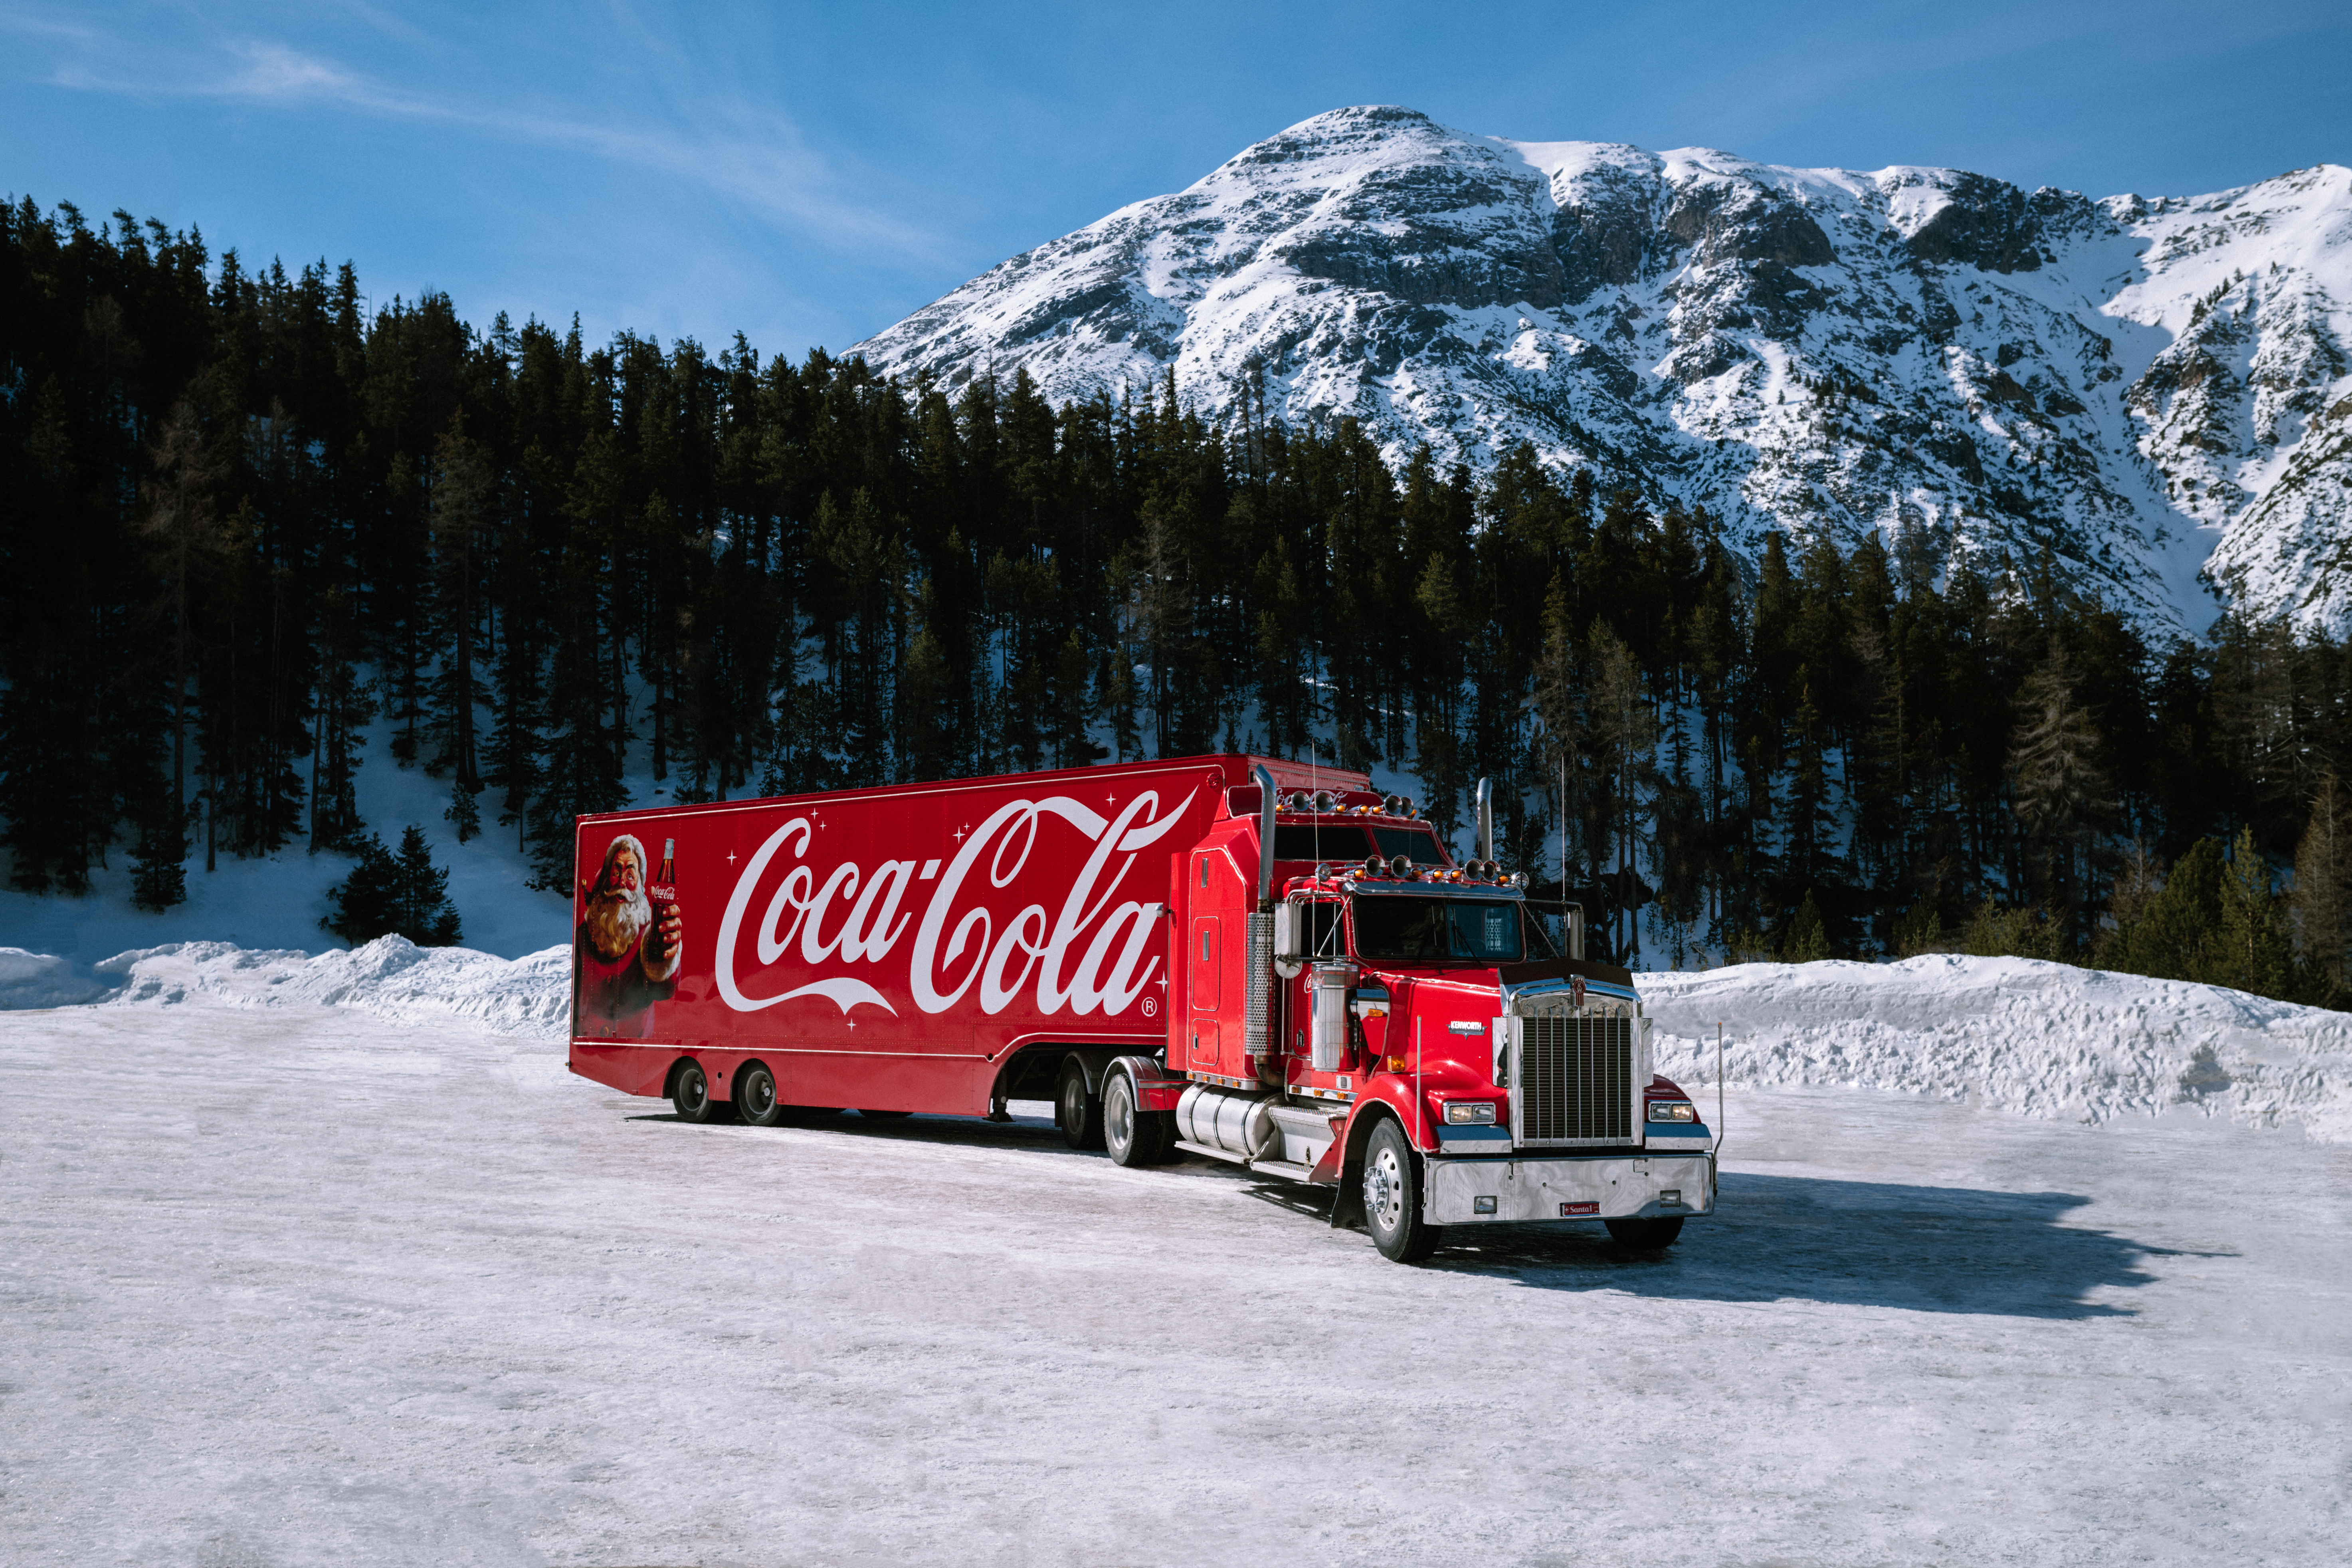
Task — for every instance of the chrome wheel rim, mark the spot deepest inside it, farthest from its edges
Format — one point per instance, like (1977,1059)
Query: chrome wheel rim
(1118,1116)
(1383,1189)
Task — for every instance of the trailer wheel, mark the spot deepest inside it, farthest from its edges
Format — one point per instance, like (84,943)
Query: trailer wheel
(1133,1136)
(755,1097)
(1392,1197)
(1644,1235)
(1080,1114)
(689,1092)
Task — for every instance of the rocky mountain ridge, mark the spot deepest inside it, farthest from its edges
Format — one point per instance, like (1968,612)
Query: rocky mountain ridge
(2154,390)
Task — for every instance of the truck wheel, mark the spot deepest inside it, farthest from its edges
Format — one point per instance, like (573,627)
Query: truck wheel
(1392,1197)
(689,1092)
(1133,1136)
(1079,1114)
(755,1097)
(1644,1235)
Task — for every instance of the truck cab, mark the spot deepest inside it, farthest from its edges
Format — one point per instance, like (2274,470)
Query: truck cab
(1373,1015)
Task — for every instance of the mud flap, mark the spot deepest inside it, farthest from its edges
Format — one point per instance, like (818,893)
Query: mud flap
(1347,1201)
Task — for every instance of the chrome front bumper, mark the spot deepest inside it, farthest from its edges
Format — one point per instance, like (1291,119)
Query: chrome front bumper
(1629,1186)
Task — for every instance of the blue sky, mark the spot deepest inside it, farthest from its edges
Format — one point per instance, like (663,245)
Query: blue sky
(810,173)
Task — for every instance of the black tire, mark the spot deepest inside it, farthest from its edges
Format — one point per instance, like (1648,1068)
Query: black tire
(1134,1136)
(886,1115)
(689,1094)
(1644,1235)
(1079,1113)
(1392,1197)
(755,1097)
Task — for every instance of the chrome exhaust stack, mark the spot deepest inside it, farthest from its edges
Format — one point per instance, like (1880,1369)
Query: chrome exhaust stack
(1486,819)
(1257,1025)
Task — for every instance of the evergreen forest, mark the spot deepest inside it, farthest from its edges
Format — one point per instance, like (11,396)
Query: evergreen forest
(254,519)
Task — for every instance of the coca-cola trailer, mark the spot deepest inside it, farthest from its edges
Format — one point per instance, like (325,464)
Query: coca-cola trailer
(1255,961)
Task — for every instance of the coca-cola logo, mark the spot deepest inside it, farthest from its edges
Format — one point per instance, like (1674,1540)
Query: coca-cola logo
(1085,954)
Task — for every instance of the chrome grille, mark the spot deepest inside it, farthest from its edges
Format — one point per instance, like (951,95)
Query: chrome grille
(1575,1080)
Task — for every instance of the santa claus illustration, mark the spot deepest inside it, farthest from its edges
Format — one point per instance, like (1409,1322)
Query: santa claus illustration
(628,948)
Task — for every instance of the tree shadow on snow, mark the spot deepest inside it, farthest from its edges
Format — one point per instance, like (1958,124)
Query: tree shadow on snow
(1929,1249)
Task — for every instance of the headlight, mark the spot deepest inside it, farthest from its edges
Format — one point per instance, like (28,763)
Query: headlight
(1480,1112)
(1673,1110)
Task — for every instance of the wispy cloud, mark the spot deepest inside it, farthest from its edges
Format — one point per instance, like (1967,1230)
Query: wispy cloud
(272,72)
(760,163)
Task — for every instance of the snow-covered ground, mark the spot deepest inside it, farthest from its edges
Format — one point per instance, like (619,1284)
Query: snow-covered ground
(310,1258)
(308,1284)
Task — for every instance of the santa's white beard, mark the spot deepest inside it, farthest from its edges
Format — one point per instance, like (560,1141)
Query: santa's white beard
(615,920)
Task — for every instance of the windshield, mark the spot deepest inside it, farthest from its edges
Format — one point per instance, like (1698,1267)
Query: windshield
(1541,943)
(1418,845)
(1318,841)
(1322,931)
(1437,928)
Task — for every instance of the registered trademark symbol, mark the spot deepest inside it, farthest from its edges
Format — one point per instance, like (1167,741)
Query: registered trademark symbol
(1150,1007)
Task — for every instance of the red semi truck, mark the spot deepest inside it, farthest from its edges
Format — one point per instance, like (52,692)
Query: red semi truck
(1252,960)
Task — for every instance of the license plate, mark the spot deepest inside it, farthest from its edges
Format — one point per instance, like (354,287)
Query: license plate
(1569,1211)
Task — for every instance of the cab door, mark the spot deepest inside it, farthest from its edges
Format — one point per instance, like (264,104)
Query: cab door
(1213,998)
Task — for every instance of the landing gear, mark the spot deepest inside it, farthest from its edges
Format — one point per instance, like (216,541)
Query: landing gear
(1133,1135)
(1078,1112)
(1392,1197)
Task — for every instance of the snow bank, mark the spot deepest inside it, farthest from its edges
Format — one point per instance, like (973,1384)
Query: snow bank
(42,980)
(390,977)
(2047,1039)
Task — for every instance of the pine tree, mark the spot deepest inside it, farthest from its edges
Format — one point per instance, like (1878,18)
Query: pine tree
(1809,939)
(2253,949)
(1072,706)
(2321,905)
(365,904)
(1444,630)
(184,535)
(460,498)
(2166,933)
(387,895)
(428,917)
(2060,790)
(159,867)
(464,812)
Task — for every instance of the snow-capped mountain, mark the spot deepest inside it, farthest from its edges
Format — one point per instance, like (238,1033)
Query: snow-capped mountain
(2150,388)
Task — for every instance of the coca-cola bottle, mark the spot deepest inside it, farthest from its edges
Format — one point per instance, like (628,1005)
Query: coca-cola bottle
(663,894)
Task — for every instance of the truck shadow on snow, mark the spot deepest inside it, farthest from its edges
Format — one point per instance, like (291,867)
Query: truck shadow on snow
(1929,1249)
(1874,1244)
